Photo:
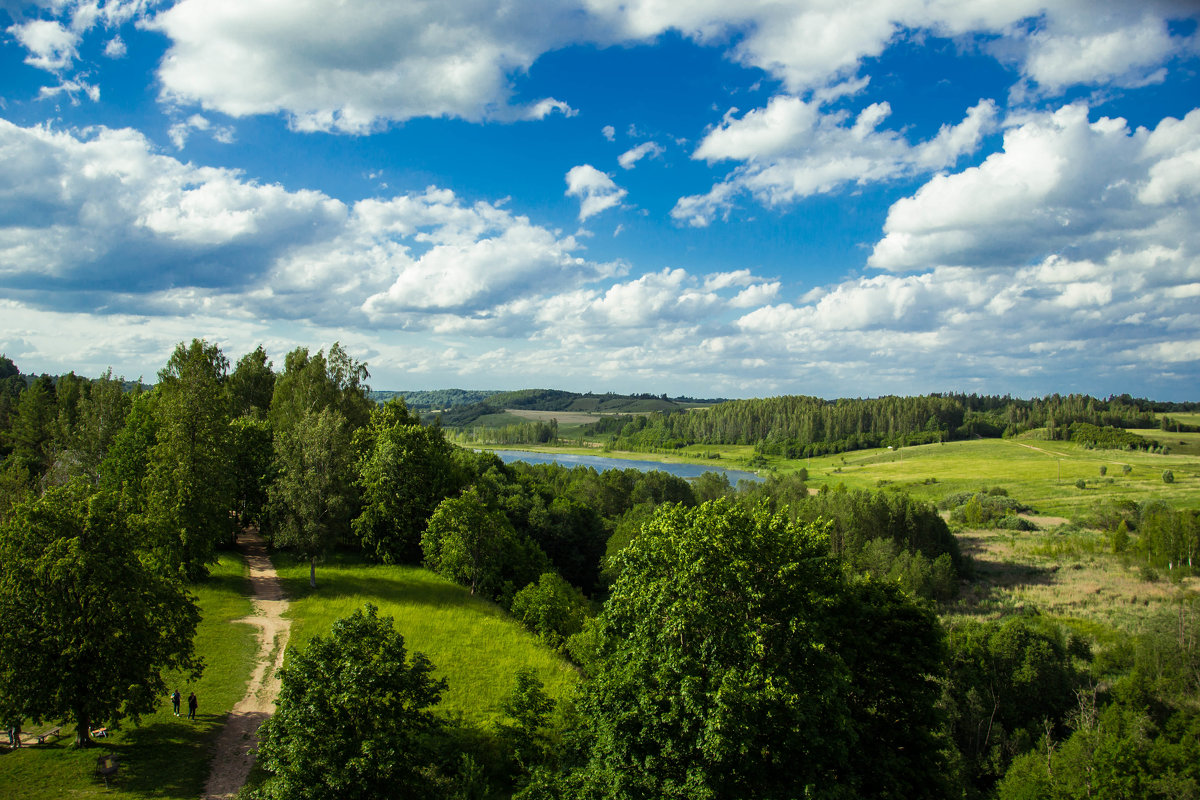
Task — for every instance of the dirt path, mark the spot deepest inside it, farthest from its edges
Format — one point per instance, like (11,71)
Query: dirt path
(233,755)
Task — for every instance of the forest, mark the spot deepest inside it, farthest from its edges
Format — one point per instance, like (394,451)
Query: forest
(757,641)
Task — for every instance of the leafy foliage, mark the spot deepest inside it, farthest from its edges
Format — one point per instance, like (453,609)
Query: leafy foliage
(89,620)
(737,662)
(354,717)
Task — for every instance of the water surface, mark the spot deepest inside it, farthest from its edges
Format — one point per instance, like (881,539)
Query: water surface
(602,463)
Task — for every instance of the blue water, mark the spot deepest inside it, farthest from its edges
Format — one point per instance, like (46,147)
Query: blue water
(602,463)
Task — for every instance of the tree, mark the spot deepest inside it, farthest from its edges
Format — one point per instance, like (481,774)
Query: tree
(470,544)
(33,426)
(404,470)
(735,653)
(251,385)
(310,383)
(190,488)
(89,620)
(311,495)
(552,608)
(354,717)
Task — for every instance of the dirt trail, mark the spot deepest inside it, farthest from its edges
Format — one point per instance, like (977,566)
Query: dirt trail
(233,755)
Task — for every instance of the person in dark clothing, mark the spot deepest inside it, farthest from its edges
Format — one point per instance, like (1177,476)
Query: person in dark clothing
(175,702)
(192,703)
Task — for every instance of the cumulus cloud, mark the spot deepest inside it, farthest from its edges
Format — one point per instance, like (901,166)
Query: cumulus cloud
(629,159)
(791,149)
(1061,184)
(99,219)
(51,46)
(352,72)
(180,132)
(594,189)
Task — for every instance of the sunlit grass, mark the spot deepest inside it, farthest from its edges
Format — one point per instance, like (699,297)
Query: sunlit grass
(472,643)
(163,756)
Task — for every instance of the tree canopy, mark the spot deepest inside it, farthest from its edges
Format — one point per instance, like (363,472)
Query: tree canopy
(353,717)
(727,670)
(89,620)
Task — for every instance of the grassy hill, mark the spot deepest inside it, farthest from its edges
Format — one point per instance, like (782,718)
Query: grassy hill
(472,643)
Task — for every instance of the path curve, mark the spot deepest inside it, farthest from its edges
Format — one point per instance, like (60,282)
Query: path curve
(234,752)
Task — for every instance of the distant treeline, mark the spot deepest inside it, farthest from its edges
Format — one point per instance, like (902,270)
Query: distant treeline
(460,416)
(798,426)
(436,399)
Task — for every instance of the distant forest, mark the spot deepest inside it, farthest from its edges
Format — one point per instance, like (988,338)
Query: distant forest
(798,427)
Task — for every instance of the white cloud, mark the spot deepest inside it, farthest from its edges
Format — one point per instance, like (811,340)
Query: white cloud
(51,46)
(180,132)
(115,48)
(595,190)
(328,68)
(72,89)
(609,133)
(791,150)
(1062,184)
(629,159)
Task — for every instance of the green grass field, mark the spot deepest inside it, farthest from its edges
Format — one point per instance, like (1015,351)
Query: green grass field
(472,643)
(164,756)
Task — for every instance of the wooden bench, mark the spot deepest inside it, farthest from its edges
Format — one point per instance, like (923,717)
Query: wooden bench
(44,735)
(106,767)
(99,733)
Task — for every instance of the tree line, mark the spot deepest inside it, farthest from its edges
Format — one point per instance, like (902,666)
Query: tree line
(799,426)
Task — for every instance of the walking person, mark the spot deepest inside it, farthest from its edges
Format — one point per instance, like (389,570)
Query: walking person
(192,703)
(175,701)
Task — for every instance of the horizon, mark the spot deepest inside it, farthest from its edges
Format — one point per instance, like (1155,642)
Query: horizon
(1005,200)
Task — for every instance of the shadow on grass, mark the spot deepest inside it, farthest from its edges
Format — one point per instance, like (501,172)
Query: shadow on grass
(227,584)
(427,593)
(159,759)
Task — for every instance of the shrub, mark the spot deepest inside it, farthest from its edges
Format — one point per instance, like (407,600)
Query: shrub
(1103,470)
(1081,484)
(1126,469)
(1168,476)
(1011,522)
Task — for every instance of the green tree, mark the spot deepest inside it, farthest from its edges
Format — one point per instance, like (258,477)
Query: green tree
(404,470)
(253,462)
(190,488)
(735,651)
(552,608)
(34,426)
(354,717)
(470,544)
(251,385)
(310,383)
(312,494)
(89,620)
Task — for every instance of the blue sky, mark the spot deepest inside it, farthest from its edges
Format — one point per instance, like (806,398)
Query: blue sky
(826,197)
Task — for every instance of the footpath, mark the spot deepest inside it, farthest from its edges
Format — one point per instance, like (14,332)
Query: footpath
(234,752)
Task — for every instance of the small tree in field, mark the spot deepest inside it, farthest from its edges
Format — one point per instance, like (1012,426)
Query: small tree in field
(1103,470)
(354,717)
(1168,476)
(88,619)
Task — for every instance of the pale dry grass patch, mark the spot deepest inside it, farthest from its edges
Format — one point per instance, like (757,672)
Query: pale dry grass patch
(1066,575)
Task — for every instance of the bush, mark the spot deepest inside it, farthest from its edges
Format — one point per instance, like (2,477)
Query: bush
(1168,476)
(1011,522)
(1103,470)
(1081,484)
(551,608)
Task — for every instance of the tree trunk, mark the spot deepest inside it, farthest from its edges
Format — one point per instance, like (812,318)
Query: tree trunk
(83,733)
(312,572)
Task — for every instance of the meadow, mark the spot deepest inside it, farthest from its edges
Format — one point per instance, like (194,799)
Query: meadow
(162,756)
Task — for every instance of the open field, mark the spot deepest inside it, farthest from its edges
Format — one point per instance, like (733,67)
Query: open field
(1040,473)
(472,643)
(164,756)
(1072,577)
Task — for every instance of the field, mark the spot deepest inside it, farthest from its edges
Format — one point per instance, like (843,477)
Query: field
(164,756)
(472,643)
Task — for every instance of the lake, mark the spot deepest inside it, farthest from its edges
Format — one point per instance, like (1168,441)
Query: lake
(602,463)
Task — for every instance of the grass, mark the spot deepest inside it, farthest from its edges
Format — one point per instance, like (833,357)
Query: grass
(1040,473)
(472,643)
(1072,577)
(163,756)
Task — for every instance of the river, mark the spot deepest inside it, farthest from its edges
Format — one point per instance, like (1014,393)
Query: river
(604,462)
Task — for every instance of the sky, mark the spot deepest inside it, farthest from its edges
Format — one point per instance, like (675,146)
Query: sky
(840,198)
